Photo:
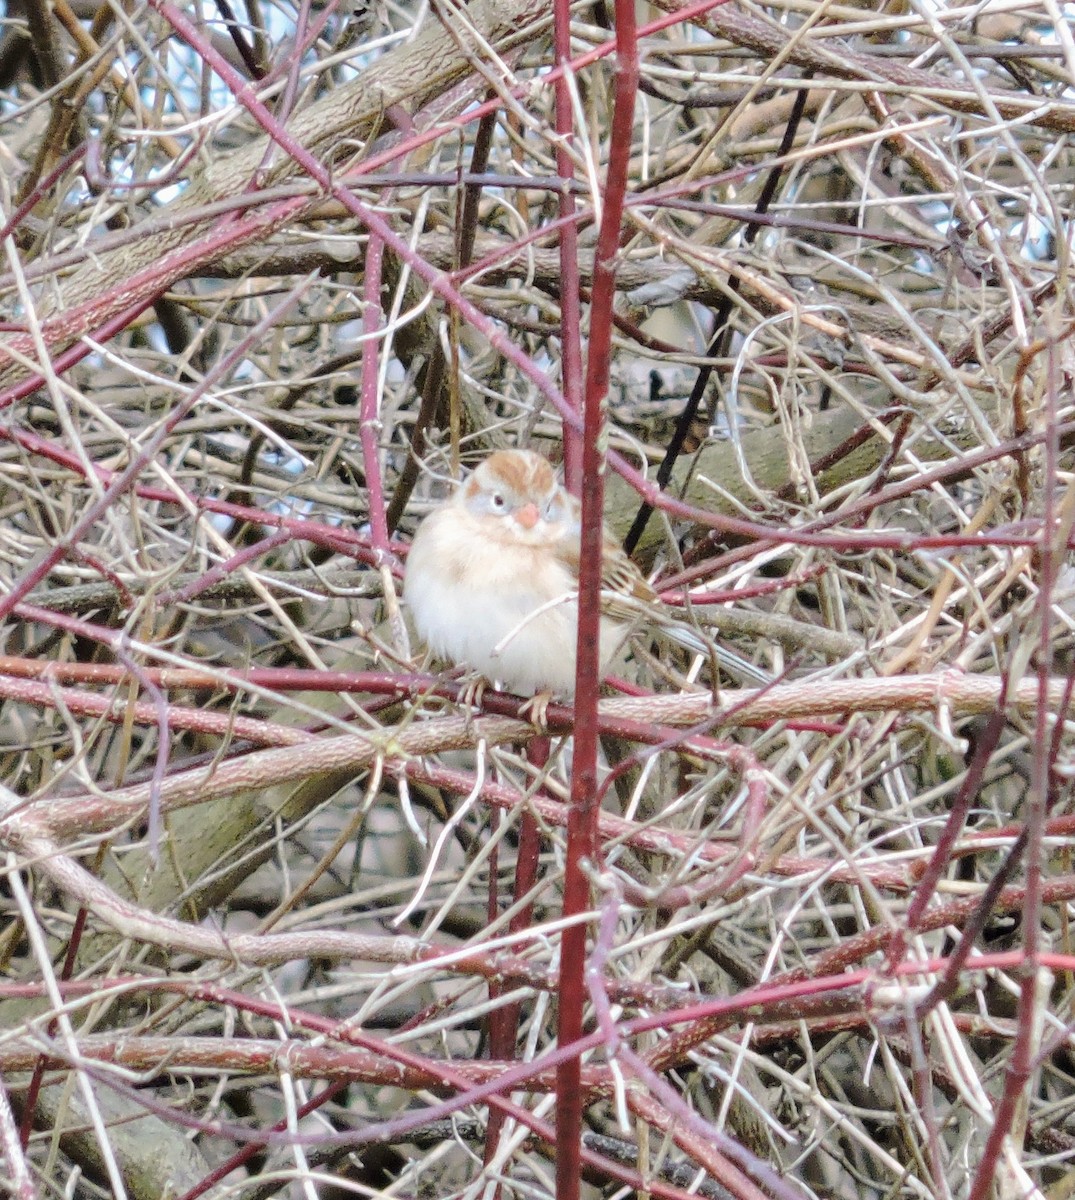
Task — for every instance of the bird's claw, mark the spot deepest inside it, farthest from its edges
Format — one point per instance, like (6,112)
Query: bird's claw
(470,698)
(536,710)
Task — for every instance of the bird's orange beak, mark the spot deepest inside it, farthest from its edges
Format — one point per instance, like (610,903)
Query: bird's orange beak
(528,516)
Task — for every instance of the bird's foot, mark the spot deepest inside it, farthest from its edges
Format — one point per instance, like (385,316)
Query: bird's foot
(470,698)
(536,711)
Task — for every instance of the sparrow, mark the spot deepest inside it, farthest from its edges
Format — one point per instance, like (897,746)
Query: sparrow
(493,574)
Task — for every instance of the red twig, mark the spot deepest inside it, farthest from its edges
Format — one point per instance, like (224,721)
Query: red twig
(582,840)
(570,291)
(1035,981)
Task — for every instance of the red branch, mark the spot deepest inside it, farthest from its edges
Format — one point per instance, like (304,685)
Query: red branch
(582,834)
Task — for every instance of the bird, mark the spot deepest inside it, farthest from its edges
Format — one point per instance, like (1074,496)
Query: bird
(493,574)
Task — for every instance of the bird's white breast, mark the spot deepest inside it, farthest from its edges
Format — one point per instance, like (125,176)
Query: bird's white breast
(494,606)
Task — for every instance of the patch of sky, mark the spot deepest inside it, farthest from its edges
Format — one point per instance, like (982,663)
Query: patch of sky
(1036,237)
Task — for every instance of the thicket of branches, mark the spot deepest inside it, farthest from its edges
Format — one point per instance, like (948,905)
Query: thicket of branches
(280,914)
